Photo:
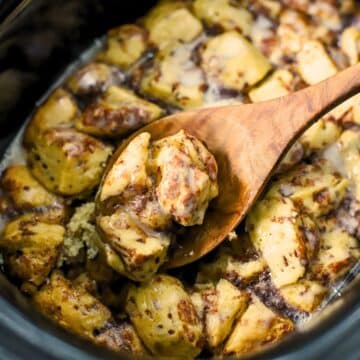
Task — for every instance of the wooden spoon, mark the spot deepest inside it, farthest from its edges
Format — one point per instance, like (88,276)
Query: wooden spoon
(248,141)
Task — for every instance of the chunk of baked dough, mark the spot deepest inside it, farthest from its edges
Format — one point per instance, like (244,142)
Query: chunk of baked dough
(117,113)
(230,265)
(142,250)
(278,84)
(66,161)
(165,318)
(314,64)
(293,31)
(255,328)
(222,304)
(75,309)
(349,143)
(187,177)
(350,44)
(233,61)
(27,194)
(321,134)
(275,229)
(93,79)
(59,110)
(175,79)
(225,14)
(171,23)
(129,169)
(305,295)
(338,252)
(315,188)
(31,248)
(71,307)
(124,45)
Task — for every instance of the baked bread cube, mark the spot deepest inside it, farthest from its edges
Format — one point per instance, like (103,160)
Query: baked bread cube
(349,143)
(304,295)
(128,169)
(293,31)
(316,188)
(76,310)
(145,189)
(277,85)
(121,337)
(73,308)
(314,64)
(233,61)
(59,110)
(275,228)
(321,134)
(170,23)
(31,249)
(347,113)
(232,264)
(66,161)
(124,46)
(225,14)
(221,305)
(178,159)
(93,79)
(175,79)
(350,44)
(257,327)
(165,318)
(27,194)
(142,251)
(338,252)
(117,113)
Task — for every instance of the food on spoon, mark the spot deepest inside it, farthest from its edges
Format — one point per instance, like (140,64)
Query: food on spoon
(148,186)
(349,148)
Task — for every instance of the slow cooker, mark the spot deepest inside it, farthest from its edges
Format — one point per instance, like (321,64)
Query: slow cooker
(38,39)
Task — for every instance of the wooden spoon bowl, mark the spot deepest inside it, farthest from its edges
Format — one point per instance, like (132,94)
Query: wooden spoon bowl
(248,141)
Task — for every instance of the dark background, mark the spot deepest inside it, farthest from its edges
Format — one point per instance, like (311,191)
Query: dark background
(38,39)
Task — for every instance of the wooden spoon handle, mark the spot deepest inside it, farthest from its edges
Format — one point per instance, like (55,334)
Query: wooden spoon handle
(310,104)
(268,129)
